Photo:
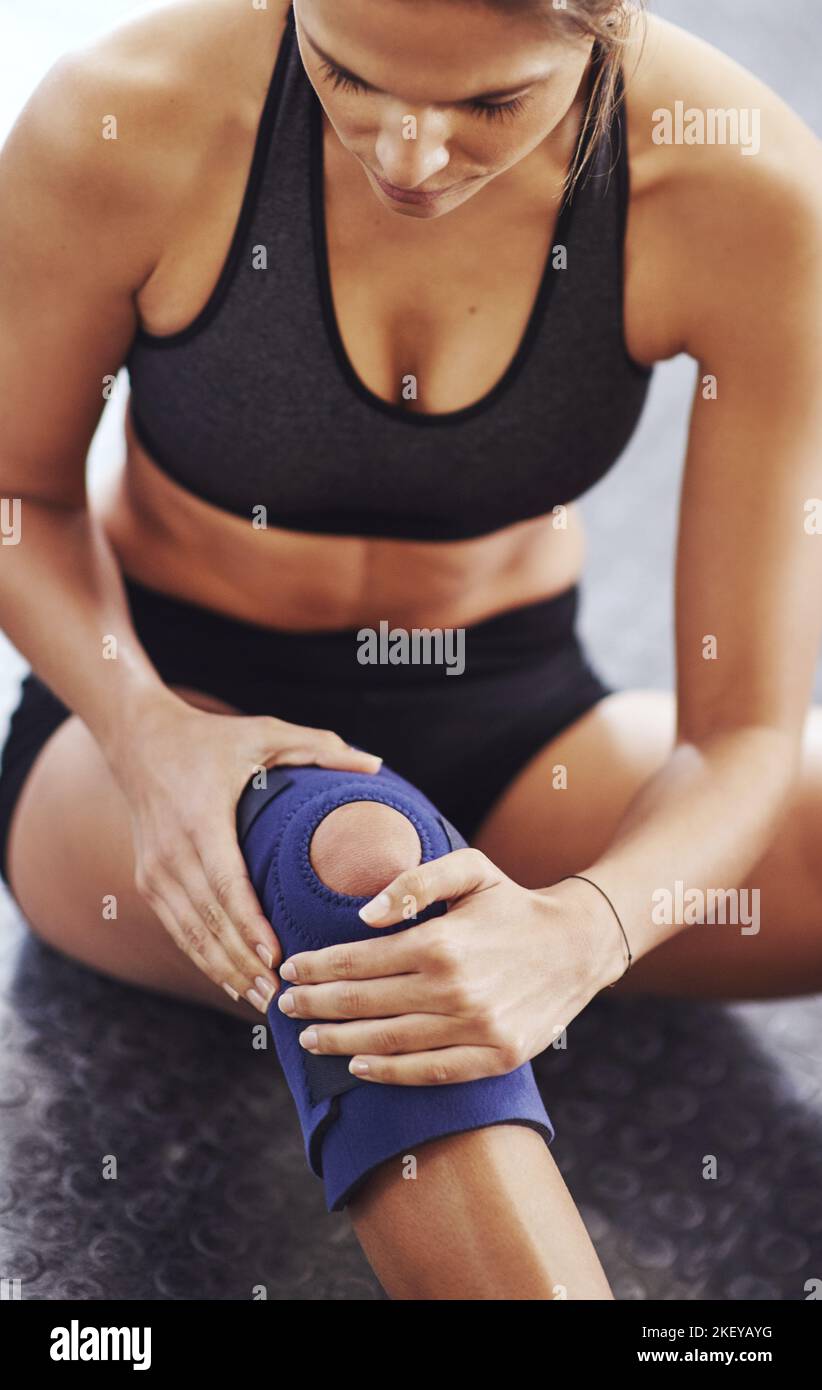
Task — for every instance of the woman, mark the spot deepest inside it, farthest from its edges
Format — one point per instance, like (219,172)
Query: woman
(374,356)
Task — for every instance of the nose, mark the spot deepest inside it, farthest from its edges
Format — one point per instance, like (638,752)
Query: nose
(411,147)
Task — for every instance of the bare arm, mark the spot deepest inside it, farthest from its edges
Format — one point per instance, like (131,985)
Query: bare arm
(748,564)
(80,228)
(75,245)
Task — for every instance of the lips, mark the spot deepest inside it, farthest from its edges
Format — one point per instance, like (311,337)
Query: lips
(413,195)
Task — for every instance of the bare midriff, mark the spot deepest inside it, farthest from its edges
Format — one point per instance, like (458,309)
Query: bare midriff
(173,541)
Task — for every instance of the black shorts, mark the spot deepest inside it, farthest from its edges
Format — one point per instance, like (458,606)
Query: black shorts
(461,736)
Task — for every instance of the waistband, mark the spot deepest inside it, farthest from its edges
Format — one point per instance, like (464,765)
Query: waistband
(526,634)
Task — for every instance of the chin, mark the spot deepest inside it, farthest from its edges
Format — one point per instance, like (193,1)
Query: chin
(419,214)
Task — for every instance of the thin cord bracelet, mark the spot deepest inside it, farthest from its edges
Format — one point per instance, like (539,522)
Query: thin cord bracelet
(616,914)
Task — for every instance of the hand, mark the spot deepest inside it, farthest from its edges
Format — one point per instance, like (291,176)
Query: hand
(477,992)
(182,770)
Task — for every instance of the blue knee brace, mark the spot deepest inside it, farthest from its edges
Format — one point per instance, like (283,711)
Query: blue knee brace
(350,1125)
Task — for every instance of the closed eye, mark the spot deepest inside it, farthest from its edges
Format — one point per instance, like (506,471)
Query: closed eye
(492,111)
(341,79)
(498,110)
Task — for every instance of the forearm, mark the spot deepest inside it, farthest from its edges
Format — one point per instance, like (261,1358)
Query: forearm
(701,823)
(61,603)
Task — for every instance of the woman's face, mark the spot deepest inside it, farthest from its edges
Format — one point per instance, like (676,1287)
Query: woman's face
(436,99)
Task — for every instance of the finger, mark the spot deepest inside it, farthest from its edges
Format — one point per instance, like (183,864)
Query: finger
(361,960)
(404,994)
(326,749)
(219,887)
(187,871)
(256,983)
(411,1033)
(169,903)
(445,1067)
(440,880)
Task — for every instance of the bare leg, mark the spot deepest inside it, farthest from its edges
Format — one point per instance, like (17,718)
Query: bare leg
(537,835)
(489,1215)
(61,867)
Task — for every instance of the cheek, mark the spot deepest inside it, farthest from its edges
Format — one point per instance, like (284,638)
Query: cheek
(346,112)
(498,144)
(343,113)
(353,135)
(541,120)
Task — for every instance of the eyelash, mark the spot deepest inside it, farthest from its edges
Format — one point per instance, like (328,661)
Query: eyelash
(491,111)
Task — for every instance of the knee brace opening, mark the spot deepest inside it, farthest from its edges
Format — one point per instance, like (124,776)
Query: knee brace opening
(358,848)
(350,1126)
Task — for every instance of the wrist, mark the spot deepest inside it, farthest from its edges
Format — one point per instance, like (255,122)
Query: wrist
(597,924)
(144,705)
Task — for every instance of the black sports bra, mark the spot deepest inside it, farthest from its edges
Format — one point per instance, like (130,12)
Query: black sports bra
(256,403)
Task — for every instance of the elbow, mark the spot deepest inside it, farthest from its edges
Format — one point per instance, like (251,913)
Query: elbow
(774,751)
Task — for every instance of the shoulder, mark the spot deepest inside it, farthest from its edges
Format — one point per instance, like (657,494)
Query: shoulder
(132,122)
(697,117)
(726,178)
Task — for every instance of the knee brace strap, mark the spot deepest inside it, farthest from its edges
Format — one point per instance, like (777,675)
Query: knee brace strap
(350,1125)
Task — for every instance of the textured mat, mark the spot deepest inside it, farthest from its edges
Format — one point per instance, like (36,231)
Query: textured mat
(212,1195)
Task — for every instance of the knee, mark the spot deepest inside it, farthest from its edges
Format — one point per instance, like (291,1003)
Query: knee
(360,847)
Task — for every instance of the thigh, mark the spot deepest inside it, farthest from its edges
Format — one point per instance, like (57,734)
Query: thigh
(70,846)
(562,811)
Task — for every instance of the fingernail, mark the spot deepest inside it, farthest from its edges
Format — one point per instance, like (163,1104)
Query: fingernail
(256,999)
(265,955)
(288,971)
(358,1067)
(232,992)
(376,908)
(265,987)
(285,1002)
(309,1038)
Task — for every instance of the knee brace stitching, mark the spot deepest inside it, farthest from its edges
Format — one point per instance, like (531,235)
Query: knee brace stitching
(328,1076)
(350,1125)
(325,1078)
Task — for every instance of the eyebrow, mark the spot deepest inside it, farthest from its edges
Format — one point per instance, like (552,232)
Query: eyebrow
(481,96)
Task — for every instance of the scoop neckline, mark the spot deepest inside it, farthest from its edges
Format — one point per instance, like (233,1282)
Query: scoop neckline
(427,419)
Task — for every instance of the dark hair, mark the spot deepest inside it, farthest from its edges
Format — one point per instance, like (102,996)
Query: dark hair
(609,23)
